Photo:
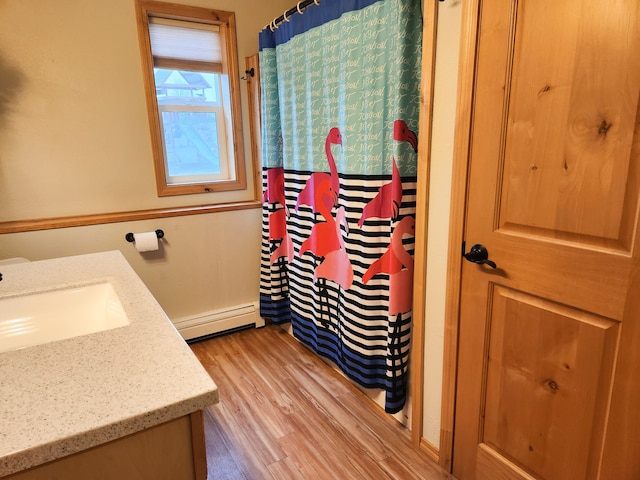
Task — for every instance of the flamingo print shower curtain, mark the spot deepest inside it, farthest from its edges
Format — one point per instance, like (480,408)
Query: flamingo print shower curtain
(340,100)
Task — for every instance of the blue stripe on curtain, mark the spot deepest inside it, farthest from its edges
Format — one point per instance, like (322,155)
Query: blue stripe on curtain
(287,30)
(340,105)
(279,309)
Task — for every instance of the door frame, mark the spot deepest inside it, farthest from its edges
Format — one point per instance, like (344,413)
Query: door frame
(429,39)
(462,133)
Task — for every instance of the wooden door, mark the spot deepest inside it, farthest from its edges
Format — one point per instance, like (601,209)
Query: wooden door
(548,382)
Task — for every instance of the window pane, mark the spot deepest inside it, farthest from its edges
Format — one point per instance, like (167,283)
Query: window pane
(189,103)
(183,87)
(191,144)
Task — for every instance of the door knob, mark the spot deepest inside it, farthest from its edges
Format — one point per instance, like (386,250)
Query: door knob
(480,255)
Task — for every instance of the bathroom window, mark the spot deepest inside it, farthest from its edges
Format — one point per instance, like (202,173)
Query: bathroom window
(190,68)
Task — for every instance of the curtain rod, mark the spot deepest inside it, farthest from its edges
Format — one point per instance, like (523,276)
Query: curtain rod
(285,16)
(298,8)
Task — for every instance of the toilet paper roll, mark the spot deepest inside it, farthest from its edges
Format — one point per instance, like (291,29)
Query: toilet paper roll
(146,241)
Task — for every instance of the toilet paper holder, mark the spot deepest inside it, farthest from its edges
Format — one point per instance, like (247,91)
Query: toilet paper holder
(129,236)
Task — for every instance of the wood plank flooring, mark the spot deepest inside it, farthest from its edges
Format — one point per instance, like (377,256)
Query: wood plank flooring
(285,414)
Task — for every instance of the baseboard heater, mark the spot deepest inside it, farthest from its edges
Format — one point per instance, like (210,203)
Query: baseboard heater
(218,321)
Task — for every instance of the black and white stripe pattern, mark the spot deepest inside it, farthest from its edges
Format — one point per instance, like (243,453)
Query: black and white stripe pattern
(352,327)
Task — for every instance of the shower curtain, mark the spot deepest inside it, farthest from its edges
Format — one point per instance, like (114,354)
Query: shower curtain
(340,101)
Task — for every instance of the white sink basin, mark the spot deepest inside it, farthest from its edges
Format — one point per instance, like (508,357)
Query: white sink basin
(43,317)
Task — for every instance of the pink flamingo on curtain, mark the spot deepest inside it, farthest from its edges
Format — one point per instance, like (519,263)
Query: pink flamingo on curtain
(326,243)
(281,243)
(308,194)
(395,260)
(398,264)
(402,133)
(387,203)
(274,193)
(283,249)
(278,232)
(323,238)
(335,265)
(401,282)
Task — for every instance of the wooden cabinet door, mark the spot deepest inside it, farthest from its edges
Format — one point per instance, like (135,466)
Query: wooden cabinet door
(548,382)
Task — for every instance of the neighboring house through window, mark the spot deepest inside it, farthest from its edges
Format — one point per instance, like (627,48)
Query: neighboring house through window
(190,67)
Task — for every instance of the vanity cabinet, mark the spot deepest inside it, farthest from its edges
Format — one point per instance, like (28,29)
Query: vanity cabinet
(118,403)
(169,451)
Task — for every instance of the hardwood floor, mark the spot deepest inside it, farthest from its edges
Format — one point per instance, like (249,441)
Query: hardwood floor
(285,414)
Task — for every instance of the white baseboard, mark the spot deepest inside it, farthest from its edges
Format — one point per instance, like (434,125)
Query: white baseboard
(217,321)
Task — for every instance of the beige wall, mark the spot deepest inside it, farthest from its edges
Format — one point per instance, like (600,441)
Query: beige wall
(74,139)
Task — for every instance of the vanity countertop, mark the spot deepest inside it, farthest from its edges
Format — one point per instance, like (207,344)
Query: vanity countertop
(66,396)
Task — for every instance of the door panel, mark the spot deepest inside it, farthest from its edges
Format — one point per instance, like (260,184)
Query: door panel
(547,341)
(571,121)
(549,368)
(492,466)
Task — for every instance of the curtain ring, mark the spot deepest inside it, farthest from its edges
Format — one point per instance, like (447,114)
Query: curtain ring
(317,2)
(271,26)
(284,15)
(298,8)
